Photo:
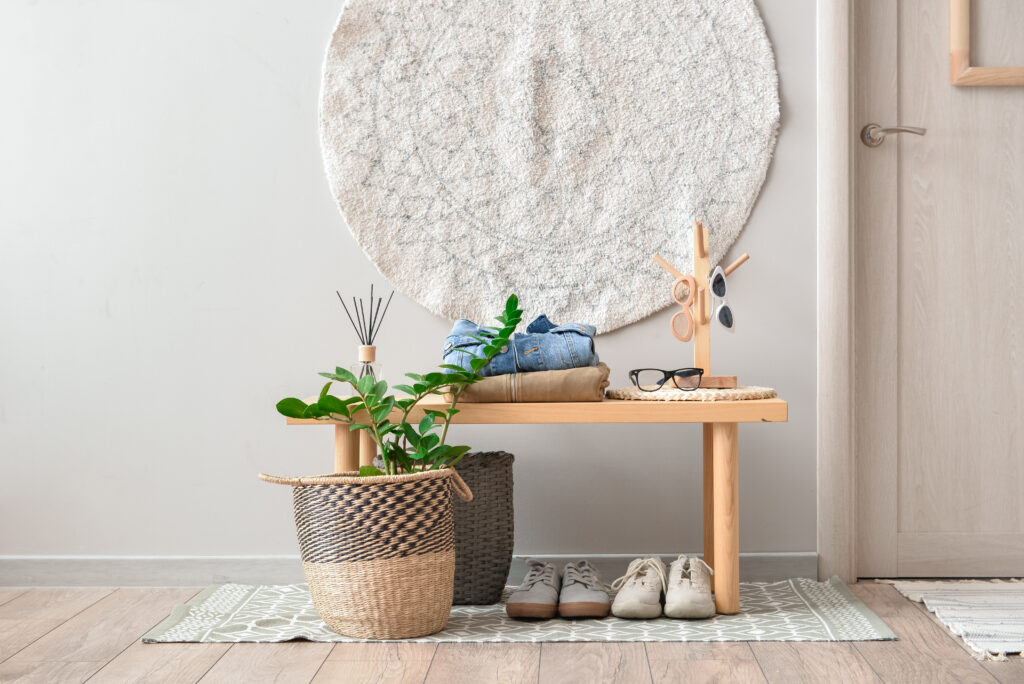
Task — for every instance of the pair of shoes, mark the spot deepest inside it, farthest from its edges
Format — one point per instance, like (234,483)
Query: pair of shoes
(686,586)
(575,592)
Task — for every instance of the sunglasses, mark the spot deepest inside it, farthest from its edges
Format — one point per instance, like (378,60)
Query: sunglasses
(723,314)
(654,379)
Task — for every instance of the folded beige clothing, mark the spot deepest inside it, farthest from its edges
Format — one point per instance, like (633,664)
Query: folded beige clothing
(573,384)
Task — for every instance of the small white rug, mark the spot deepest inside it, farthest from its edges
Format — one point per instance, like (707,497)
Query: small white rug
(987,614)
(546,147)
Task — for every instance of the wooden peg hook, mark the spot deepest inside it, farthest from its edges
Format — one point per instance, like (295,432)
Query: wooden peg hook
(736,264)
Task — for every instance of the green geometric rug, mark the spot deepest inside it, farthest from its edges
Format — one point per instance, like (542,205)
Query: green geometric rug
(791,610)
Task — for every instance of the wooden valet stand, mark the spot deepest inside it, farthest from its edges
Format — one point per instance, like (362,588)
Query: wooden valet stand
(701,306)
(721,476)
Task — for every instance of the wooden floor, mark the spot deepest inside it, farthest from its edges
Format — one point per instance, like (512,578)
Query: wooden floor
(74,635)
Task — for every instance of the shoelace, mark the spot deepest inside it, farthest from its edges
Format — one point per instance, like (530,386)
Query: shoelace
(685,568)
(638,568)
(701,561)
(582,573)
(539,572)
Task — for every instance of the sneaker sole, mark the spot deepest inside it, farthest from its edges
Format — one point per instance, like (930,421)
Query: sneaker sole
(531,610)
(583,609)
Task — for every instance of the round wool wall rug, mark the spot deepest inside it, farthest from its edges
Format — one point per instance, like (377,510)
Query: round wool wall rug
(546,147)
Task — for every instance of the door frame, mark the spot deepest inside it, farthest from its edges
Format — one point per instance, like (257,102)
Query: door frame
(836,466)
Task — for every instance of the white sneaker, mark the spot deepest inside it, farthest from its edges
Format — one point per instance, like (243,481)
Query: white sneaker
(689,589)
(640,589)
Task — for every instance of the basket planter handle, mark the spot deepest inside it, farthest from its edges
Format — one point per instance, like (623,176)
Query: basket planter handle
(460,487)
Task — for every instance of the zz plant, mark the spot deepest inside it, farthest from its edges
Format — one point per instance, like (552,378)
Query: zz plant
(407,446)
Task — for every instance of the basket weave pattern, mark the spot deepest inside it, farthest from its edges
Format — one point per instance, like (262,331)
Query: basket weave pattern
(338,524)
(484,528)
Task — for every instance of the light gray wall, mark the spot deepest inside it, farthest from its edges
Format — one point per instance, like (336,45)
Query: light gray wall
(169,253)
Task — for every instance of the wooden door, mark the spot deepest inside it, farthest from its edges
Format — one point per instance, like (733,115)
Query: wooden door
(938,270)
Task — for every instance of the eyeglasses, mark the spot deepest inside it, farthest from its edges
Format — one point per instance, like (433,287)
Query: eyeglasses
(722,312)
(654,379)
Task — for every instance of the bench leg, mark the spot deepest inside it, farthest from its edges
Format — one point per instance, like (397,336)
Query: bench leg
(367,448)
(346,449)
(709,498)
(726,517)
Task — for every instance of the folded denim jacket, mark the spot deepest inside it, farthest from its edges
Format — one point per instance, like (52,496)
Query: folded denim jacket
(544,346)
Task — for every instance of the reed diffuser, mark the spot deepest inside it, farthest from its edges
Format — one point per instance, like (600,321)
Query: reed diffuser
(366,318)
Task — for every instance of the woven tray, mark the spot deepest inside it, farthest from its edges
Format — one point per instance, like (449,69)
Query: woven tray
(735,394)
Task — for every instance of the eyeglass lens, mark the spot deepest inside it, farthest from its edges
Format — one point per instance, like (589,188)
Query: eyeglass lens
(650,379)
(686,379)
(725,316)
(718,285)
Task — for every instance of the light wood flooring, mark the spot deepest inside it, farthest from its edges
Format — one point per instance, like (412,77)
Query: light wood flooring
(84,634)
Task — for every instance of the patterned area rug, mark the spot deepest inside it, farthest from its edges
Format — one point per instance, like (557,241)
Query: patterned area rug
(987,614)
(792,610)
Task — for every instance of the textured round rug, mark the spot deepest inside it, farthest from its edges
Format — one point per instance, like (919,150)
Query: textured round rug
(546,147)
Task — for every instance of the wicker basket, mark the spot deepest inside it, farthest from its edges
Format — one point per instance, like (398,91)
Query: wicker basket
(378,552)
(484,528)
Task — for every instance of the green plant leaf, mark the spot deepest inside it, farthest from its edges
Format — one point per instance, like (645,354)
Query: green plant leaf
(384,410)
(344,375)
(332,404)
(452,367)
(451,412)
(411,434)
(477,364)
(429,441)
(379,388)
(404,388)
(316,412)
(414,376)
(455,455)
(365,384)
(323,391)
(291,407)
(358,426)
(369,471)
(426,425)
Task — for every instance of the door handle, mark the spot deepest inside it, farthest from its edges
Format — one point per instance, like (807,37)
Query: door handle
(873,135)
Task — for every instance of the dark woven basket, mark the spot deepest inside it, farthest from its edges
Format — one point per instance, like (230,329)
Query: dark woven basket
(484,528)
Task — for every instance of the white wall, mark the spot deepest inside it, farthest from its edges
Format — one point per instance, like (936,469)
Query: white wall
(169,253)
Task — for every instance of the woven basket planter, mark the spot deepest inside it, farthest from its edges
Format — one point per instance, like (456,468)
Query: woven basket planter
(378,552)
(484,528)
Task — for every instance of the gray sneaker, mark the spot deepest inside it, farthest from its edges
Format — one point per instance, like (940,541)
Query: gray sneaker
(583,594)
(537,596)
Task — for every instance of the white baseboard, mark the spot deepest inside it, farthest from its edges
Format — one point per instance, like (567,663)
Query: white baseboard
(196,571)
